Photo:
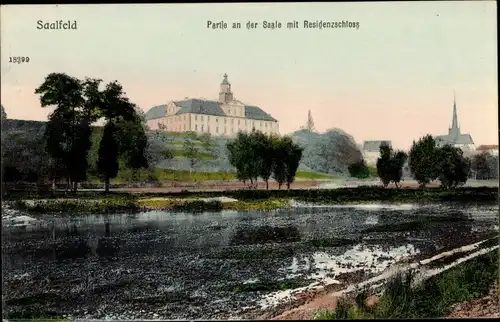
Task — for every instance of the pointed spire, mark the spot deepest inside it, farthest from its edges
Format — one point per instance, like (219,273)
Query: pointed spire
(454,122)
(310,122)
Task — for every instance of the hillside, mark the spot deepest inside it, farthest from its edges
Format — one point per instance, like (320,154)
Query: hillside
(329,152)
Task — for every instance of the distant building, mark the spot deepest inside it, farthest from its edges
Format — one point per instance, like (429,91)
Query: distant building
(454,137)
(491,149)
(224,117)
(371,151)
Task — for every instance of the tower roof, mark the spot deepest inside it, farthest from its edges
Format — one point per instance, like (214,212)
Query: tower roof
(225,81)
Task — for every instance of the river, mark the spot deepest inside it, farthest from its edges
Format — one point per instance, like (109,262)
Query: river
(163,265)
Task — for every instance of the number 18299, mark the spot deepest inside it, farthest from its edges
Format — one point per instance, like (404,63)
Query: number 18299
(19,60)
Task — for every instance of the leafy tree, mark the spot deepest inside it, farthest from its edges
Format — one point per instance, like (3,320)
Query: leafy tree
(484,166)
(279,164)
(294,155)
(68,129)
(3,115)
(191,153)
(359,169)
(263,147)
(423,160)
(126,135)
(242,156)
(453,167)
(390,165)
(109,148)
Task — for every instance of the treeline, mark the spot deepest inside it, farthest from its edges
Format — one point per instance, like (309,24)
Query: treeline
(256,155)
(67,136)
(428,162)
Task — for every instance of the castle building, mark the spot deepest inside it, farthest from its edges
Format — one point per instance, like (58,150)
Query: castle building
(224,117)
(454,137)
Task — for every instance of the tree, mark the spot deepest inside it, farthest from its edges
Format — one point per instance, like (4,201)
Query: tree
(68,129)
(484,166)
(390,165)
(423,161)
(191,153)
(125,134)
(263,147)
(279,164)
(109,148)
(359,169)
(3,115)
(294,155)
(453,167)
(242,156)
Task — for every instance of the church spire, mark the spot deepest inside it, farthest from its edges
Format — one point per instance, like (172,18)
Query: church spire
(454,122)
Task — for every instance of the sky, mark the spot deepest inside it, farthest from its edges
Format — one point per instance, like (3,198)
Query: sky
(393,78)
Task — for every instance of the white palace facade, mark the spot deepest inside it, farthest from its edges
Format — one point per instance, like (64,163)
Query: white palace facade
(224,117)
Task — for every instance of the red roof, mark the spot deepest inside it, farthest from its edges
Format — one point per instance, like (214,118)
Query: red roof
(487,147)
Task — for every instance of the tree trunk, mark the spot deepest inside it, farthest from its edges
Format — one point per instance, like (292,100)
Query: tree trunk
(106,184)
(279,185)
(53,185)
(267,184)
(68,184)
(75,186)
(288,185)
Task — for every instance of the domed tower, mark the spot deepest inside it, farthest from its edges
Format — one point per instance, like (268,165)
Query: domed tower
(225,94)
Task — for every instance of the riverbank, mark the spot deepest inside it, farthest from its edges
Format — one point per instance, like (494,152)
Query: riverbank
(115,202)
(448,294)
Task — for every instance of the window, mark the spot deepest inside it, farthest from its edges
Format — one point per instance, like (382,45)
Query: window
(196,118)
(202,128)
(229,111)
(217,119)
(208,117)
(196,127)
(216,129)
(225,130)
(238,122)
(265,125)
(201,117)
(225,120)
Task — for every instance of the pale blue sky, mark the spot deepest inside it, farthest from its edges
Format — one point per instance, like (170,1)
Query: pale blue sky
(393,78)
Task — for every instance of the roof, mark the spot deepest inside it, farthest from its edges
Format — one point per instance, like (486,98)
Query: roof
(207,107)
(199,106)
(156,112)
(374,146)
(460,139)
(255,113)
(485,147)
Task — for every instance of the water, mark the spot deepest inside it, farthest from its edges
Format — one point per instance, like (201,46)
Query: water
(168,266)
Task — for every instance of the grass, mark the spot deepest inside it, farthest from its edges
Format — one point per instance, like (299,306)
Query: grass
(199,155)
(168,175)
(313,175)
(198,144)
(431,299)
(119,204)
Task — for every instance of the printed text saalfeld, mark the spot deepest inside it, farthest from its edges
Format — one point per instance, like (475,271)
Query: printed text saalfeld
(56,25)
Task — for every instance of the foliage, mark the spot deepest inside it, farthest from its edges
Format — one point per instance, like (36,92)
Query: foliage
(330,152)
(256,155)
(3,115)
(390,165)
(484,166)
(453,167)
(359,170)
(69,136)
(404,299)
(109,148)
(423,160)
(191,153)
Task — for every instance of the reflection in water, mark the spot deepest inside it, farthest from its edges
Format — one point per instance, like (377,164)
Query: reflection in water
(265,234)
